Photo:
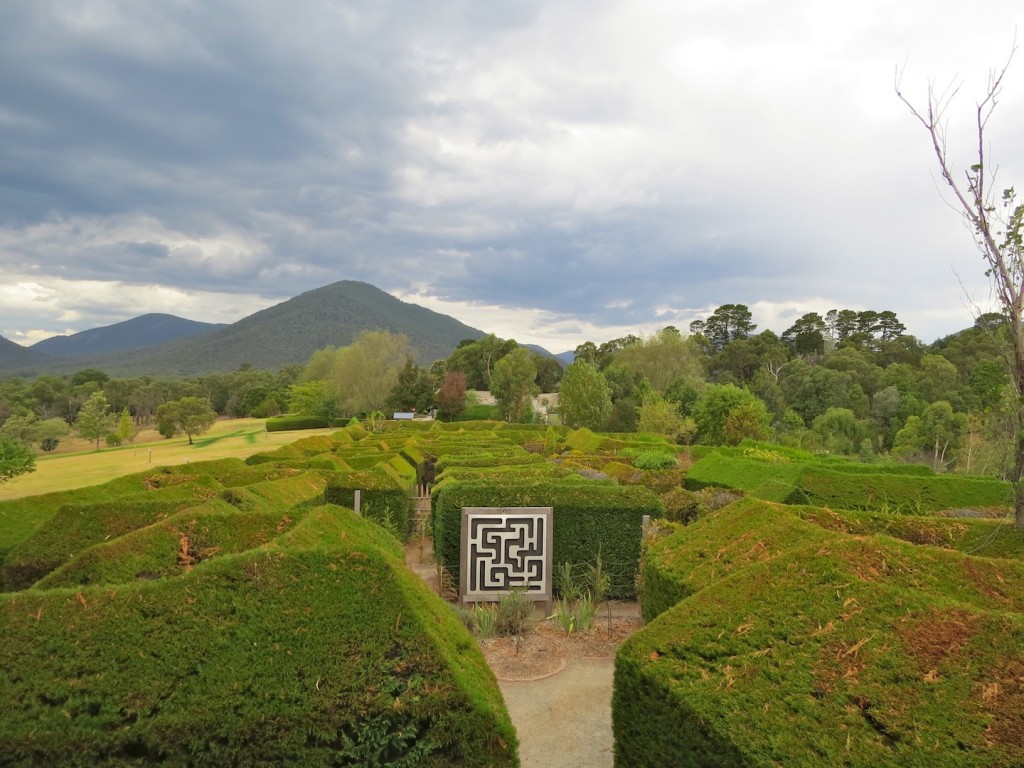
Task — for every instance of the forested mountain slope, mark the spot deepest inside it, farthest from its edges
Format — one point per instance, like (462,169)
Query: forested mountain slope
(285,334)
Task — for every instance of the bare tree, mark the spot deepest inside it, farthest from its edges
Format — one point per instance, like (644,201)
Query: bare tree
(997,223)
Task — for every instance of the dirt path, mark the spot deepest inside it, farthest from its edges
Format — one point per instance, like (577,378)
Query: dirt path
(557,687)
(565,720)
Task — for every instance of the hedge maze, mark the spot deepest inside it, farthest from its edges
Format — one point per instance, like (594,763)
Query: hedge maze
(862,631)
(237,613)
(802,611)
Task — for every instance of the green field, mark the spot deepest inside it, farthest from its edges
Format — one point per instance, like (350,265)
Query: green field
(236,438)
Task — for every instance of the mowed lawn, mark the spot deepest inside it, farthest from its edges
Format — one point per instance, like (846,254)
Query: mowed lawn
(67,470)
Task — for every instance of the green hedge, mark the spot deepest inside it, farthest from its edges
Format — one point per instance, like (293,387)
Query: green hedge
(299,421)
(982,537)
(777,477)
(171,546)
(383,498)
(790,644)
(76,527)
(588,519)
(518,458)
(320,649)
(901,493)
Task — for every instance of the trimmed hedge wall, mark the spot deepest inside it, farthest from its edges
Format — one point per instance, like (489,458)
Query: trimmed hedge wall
(172,546)
(320,649)
(588,519)
(76,527)
(846,485)
(299,421)
(790,644)
(981,537)
(382,497)
(903,493)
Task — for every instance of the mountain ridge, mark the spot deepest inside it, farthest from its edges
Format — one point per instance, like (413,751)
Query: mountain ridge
(287,333)
(143,331)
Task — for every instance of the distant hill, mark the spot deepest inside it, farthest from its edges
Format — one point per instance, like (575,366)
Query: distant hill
(145,331)
(566,358)
(15,358)
(285,334)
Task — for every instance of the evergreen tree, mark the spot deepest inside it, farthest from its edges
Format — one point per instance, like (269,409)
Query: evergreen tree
(94,419)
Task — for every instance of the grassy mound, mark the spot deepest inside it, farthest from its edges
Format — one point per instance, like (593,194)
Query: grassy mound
(782,642)
(317,649)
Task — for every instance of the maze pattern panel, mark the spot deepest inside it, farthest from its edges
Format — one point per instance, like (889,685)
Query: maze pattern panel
(505,549)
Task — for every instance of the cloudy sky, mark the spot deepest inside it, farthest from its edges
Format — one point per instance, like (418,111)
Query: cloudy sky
(549,171)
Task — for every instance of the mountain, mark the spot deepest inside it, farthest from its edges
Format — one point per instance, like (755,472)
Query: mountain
(145,331)
(287,334)
(16,359)
(566,358)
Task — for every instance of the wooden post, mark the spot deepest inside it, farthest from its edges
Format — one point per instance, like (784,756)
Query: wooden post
(358,502)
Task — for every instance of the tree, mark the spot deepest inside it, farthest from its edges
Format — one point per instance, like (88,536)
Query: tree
(727,324)
(713,408)
(313,399)
(94,419)
(191,415)
(126,427)
(749,420)
(997,223)
(662,358)
(549,372)
(584,399)
(451,397)
(477,358)
(365,372)
(16,458)
(889,326)
(661,417)
(807,335)
(413,391)
(513,383)
(840,430)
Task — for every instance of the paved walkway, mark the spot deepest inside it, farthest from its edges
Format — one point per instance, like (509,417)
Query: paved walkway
(564,721)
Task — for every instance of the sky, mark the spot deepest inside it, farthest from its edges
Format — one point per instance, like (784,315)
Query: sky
(553,172)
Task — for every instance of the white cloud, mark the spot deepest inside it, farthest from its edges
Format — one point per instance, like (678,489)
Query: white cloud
(557,172)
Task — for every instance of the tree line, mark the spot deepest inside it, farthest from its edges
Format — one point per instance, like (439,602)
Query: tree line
(847,382)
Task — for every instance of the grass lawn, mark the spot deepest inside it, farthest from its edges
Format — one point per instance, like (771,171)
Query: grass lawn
(85,466)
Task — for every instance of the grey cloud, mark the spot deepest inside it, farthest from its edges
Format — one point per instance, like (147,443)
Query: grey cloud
(500,154)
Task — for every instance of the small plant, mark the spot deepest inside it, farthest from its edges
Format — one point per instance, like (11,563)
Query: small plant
(599,579)
(387,522)
(565,581)
(514,614)
(446,583)
(600,585)
(586,608)
(564,616)
(486,619)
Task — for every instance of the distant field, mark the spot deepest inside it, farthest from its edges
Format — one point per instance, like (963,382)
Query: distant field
(228,438)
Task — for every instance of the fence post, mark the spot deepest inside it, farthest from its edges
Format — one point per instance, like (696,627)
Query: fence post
(358,502)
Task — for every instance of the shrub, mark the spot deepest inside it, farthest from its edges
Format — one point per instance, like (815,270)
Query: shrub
(652,459)
(514,614)
(298,421)
(778,642)
(320,648)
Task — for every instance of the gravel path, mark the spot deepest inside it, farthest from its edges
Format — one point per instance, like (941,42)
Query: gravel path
(564,721)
